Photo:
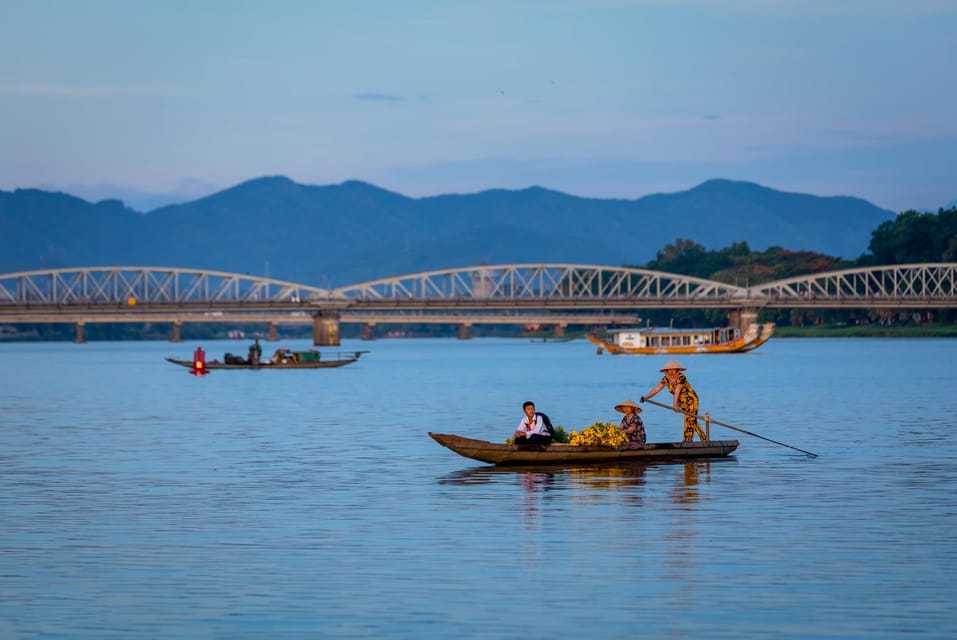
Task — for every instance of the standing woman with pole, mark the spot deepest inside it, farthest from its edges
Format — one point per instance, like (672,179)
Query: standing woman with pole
(685,399)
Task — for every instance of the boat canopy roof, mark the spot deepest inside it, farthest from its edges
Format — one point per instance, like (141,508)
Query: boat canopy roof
(668,330)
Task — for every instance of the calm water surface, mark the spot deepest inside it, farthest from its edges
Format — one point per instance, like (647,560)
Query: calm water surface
(140,501)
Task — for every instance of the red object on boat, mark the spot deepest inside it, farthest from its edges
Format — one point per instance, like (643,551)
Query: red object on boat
(199,363)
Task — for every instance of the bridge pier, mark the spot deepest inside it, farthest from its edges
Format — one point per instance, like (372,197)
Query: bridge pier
(464,331)
(273,332)
(177,332)
(325,329)
(368,331)
(741,318)
(559,330)
(80,335)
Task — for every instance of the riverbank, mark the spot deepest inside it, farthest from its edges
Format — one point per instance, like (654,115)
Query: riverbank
(868,331)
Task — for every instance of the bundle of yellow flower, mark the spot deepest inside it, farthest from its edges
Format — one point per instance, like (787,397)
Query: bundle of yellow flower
(605,434)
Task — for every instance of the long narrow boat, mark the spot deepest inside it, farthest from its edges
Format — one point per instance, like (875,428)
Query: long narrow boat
(557,453)
(669,341)
(340,360)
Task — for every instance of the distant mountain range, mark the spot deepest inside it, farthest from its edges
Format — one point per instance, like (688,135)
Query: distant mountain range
(185,191)
(348,233)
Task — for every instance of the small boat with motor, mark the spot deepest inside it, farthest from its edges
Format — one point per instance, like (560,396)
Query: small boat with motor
(559,453)
(671,341)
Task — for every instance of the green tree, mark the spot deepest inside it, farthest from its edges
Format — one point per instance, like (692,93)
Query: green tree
(914,237)
(689,258)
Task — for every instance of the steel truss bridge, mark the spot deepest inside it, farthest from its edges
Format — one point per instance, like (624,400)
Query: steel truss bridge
(550,294)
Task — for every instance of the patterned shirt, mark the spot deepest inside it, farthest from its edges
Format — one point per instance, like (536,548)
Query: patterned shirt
(687,395)
(638,436)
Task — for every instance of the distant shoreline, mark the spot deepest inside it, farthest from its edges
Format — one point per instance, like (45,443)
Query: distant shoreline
(868,331)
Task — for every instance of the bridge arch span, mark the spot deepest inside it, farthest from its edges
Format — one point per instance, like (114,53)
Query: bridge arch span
(541,282)
(149,285)
(926,283)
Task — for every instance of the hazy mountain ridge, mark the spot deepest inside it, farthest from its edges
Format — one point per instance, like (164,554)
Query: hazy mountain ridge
(354,231)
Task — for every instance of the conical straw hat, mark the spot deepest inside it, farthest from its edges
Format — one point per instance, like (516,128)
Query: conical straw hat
(672,364)
(620,407)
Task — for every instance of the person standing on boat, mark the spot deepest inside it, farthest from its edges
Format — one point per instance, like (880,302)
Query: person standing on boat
(255,352)
(685,399)
(532,429)
(631,423)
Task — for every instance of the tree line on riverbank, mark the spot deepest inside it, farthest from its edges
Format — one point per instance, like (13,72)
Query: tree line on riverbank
(912,237)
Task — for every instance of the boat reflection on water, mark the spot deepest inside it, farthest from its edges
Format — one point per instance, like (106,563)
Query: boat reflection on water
(598,484)
(612,477)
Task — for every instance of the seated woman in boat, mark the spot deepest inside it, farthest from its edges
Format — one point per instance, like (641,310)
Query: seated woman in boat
(532,429)
(685,399)
(631,423)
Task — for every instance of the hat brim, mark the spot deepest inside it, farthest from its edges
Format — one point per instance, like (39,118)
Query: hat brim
(672,365)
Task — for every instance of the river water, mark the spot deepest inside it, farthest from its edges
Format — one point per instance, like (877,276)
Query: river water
(138,501)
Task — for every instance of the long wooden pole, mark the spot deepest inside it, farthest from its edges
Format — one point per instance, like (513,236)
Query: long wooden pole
(709,419)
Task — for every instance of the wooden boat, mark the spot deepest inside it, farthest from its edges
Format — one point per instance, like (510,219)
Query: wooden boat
(557,453)
(767,330)
(311,359)
(669,341)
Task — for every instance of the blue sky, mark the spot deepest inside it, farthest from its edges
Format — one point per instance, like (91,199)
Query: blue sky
(605,98)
